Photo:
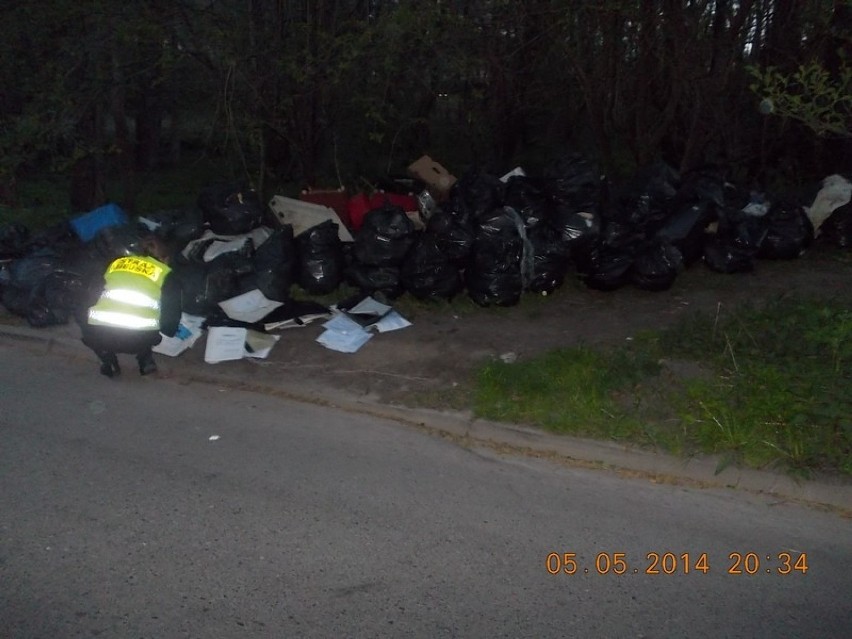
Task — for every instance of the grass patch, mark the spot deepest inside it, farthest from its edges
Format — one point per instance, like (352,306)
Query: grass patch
(578,391)
(767,386)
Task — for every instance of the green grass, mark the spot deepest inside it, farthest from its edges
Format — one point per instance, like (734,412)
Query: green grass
(766,386)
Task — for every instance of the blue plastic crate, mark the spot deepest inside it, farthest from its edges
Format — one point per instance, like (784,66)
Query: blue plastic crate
(86,226)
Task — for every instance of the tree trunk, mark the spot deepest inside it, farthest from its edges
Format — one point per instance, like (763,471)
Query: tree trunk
(149,127)
(122,135)
(9,191)
(87,176)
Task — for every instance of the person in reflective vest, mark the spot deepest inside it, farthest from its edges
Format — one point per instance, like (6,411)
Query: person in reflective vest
(139,303)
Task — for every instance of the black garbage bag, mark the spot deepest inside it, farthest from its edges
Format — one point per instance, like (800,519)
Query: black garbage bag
(56,299)
(528,199)
(686,229)
(16,300)
(40,290)
(620,235)
(243,248)
(59,238)
(603,268)
(453,232)
(112,242)
(383,280)
(204,285)
(789,232)
(273,265)
(575,182)
(320,258)
(384,238)
(734,247)
(14,238)
(501,288)
(575,228)
(656,266)
(643,204)
(231,209)
(478,192)
(704,184)
(87,261)
(240,262)
(427,272)
(550,260)
(501,263)
(837,228)
(26,272)
(177,226)
(729,255)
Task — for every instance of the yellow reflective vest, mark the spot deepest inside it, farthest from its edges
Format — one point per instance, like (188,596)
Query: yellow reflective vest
(131,297)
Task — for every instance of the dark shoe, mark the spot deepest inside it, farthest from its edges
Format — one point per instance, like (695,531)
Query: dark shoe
(147,365)
(109,366)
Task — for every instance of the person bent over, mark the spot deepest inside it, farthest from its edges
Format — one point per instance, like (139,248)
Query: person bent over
(140,300)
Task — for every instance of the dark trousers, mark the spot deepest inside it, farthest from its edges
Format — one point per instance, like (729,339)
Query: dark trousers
(106,341)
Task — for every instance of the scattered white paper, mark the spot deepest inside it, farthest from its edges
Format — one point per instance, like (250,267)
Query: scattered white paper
(346,334)
(188,332)
(391,321)
(220,247)
(249,307)
(225,343)
(228,343)
(213,438)
(343,324)
(344,342)
(305,215)
(369,306)
(259,345)
(234,242)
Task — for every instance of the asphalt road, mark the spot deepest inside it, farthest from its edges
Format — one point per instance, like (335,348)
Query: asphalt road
(143,507)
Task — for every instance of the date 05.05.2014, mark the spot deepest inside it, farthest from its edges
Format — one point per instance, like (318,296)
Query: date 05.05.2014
(669,563)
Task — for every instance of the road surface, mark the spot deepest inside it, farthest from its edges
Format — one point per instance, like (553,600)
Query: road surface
(151,508)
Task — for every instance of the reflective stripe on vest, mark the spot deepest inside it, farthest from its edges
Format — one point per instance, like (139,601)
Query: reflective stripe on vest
(134,298)
(122,320)
(131,298)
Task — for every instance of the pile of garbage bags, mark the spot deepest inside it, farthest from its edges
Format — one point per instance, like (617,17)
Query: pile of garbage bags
(493,238)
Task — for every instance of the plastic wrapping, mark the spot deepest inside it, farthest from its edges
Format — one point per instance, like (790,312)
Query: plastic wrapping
(320,254)
(231,209)
(384,238)
(427,273)
(502,259)
(656,266)
(386,279)
(274,265)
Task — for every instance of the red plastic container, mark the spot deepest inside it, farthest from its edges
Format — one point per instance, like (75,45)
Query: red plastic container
(359,205)
(337,199)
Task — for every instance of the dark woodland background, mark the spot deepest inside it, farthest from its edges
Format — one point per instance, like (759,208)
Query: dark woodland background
(329,93)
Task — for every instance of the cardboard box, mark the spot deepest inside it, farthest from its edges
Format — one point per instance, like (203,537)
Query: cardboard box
(437,178)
